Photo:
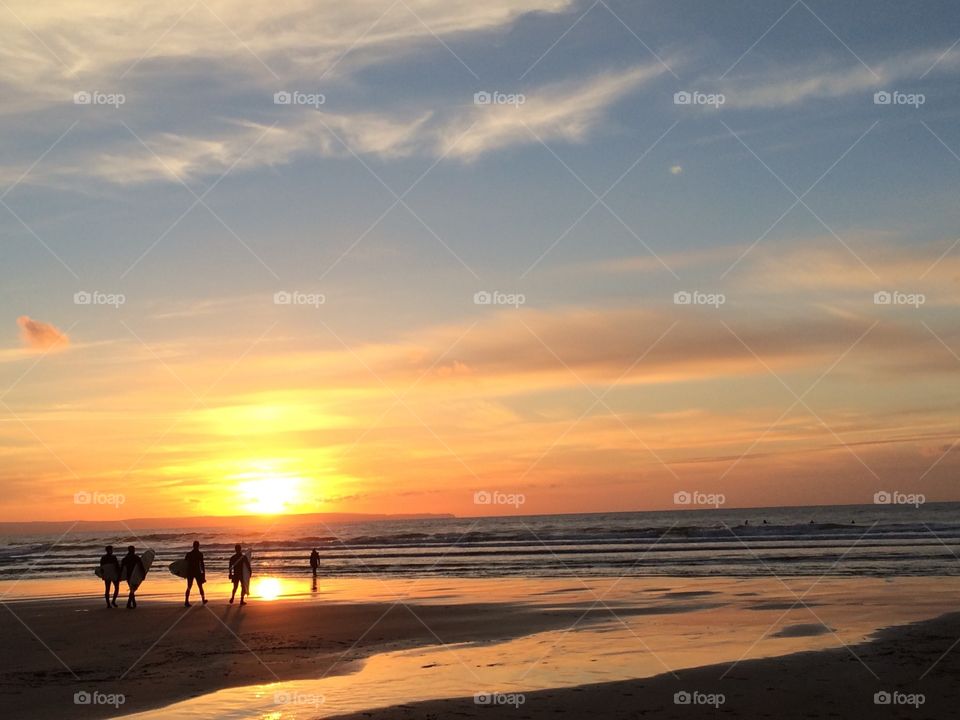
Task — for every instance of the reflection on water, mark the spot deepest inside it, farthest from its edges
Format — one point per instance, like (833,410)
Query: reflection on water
(657,628)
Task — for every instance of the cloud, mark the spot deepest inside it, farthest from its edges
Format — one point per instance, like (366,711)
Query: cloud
(39,335)
(565,111)
(787,86)
(562,111)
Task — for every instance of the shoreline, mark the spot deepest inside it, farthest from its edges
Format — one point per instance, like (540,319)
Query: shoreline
(365,651)
(915,665)
(192,652)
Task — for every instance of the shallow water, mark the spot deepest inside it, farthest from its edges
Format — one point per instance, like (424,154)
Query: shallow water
(653,628)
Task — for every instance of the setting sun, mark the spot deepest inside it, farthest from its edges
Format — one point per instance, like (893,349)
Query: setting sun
(270,495)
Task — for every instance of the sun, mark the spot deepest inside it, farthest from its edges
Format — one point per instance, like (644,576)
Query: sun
(270,495)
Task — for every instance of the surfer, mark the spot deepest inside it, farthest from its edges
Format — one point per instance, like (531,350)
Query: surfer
(195,571)
(131,561)
(240,566)
(110,561)
(314,562)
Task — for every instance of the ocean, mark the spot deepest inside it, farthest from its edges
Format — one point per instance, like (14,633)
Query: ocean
(866,540)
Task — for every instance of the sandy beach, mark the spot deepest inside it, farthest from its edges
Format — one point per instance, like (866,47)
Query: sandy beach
(907,663)
(166,653)
(559,649)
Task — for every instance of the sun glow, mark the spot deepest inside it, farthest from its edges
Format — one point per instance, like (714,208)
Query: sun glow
(267,589)
(268,492)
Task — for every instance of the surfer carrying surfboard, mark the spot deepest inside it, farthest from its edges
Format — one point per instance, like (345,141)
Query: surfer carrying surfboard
(240,572)
(196,570)
(110,572)
(131,568)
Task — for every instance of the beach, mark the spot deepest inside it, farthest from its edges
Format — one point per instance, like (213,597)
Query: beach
(625,646)
(838,683)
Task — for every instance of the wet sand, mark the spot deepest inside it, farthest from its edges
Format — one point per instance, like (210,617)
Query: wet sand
(906,662)
(511,637)
(159,654)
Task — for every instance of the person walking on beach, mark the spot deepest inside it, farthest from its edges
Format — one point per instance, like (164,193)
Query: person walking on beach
(131,561)
(106,561)
(238,563)
(314,562)
(196,570)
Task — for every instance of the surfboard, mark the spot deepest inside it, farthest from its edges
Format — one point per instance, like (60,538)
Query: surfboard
(136,577)
(247,571)
(179,568)
(106,572)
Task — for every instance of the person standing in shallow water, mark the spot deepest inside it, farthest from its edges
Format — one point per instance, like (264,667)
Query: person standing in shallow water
(314,563)
(106,561)
(196,571)
(238,562)
(131,561)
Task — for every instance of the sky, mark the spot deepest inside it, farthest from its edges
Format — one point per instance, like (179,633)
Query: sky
(432,256)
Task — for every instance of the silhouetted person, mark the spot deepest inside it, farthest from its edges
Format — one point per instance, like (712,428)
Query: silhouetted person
(238,562)
(110,560)
(195,571)
(314,562)
(131,561)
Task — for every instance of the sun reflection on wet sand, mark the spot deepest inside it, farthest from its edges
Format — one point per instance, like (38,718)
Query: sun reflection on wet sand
(662,627)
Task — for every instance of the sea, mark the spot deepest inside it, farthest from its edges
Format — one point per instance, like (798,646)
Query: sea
(848,540)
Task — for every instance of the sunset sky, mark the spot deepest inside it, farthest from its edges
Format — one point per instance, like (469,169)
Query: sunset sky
(185,191)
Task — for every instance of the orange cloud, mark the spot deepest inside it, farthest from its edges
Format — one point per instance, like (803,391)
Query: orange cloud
(40,335)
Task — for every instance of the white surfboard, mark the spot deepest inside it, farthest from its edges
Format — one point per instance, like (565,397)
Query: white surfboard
(136,577)
(246,571)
